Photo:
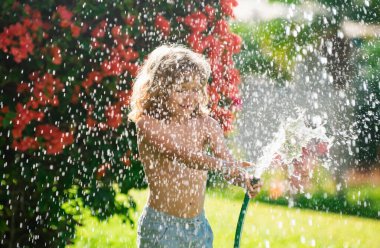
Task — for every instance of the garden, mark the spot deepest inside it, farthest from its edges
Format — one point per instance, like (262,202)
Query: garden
(70,170)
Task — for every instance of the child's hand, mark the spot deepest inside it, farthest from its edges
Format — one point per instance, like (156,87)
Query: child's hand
(239,177)
(252,189)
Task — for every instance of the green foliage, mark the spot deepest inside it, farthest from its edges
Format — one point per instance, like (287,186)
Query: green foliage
(367,87)
(272,47)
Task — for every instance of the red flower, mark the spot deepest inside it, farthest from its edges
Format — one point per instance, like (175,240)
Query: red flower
(126,40)
(75,30)
(22,87)
(26,43)
(132,68)
(213,94)
(17,132)
(126,159)
(90,122)
(95,44)
(67,138)
(226,7)
(197,21)
(17,38)
(23,118)
(53,149)
(95,76)
(55,101)
(92,77)
(101,172)
(233,76)
(64,13)
(162,24)
(225,116)
(102,126)
(210,11)
(141,29)
(25,144)
(113,115)
(56,55)
(17,29)
(75,96)
(38,115)
(112,67)
(221,28)
(65,16)
(36,20)
(18,54)
(116,31)
(124,97)
(130,54)
(236,102)
(129,20)
(5,41)
(234,42)
(100,30)
(32,103)
(47,131)
(45,87)
(4,109)
(196,43)
(55,139)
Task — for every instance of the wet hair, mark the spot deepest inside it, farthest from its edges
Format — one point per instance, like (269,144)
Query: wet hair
(167,67)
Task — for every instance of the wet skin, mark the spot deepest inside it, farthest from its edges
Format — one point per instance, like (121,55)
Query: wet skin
(179,188)
(175,188)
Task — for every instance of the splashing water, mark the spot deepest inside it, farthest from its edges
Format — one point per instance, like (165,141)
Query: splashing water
(288,144)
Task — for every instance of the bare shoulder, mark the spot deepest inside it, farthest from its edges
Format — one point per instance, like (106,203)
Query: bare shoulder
(147,122)
(148,126)
(209,125)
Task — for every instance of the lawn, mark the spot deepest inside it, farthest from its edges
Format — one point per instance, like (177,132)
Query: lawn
(265,226)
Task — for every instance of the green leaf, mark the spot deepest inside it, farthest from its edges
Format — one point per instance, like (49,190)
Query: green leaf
(8,118)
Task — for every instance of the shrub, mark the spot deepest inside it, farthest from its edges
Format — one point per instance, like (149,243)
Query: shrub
(67,69)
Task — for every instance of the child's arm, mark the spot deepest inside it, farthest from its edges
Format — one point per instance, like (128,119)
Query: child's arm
(159,135)
(156,133)
(219,148)
(216,140)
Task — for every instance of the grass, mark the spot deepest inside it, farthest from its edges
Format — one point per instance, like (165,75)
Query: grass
(265,225)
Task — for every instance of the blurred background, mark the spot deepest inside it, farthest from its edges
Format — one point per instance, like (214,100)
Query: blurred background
(321,56)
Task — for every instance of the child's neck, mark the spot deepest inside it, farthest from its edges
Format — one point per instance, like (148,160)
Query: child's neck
(179,119)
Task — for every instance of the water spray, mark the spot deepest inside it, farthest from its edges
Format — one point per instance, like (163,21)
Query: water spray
(290,142)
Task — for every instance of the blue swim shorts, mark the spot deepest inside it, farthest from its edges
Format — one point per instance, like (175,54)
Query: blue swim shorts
(161,230)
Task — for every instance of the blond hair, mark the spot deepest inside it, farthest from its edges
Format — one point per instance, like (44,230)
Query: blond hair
(166,67)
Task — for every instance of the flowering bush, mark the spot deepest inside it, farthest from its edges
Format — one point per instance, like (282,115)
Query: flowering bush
(67,72)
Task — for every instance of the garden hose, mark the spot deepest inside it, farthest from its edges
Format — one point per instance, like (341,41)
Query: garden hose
(239,227)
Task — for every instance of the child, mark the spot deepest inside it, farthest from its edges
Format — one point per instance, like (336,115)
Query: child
(174,129)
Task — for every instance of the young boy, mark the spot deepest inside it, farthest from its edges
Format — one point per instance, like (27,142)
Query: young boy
(174,130)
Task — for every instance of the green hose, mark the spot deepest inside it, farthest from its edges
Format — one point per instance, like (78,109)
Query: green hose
(239,227)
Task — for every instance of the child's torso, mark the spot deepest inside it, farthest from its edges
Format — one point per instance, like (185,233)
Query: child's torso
(175,188)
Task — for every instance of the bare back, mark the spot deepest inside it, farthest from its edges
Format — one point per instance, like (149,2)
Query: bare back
(175,188)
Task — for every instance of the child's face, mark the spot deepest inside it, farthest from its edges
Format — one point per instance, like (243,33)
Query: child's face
(184,99)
